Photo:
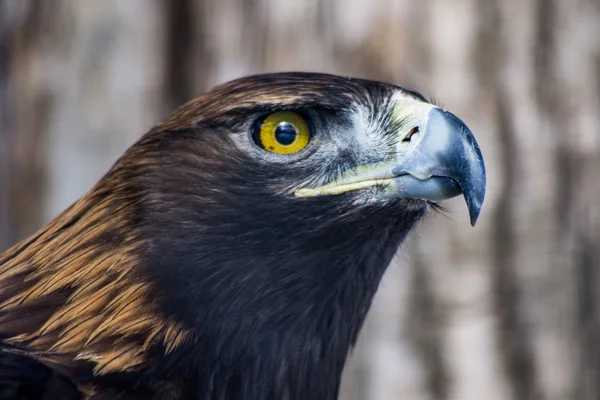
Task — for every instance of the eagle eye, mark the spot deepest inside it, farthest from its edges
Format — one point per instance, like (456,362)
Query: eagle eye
(282,132)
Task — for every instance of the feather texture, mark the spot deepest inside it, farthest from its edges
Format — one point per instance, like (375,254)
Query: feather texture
(71,293)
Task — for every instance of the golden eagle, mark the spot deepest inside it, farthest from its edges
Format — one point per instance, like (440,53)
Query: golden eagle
(234,250)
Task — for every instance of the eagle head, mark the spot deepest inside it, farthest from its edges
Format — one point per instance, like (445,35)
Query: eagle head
(249,233)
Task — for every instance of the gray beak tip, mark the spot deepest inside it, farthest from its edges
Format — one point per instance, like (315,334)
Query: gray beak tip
(449,154)
(474,210)
(464,156)
(474,198)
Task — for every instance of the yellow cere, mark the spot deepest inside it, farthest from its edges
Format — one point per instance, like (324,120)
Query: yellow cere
(337,189)
(364,176)
(297,133)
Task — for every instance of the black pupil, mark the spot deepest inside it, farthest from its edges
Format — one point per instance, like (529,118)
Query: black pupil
(285,133)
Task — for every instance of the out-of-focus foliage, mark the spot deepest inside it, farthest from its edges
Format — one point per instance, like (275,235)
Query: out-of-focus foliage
(507,310)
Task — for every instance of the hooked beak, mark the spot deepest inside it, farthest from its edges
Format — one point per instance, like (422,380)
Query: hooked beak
(436,158)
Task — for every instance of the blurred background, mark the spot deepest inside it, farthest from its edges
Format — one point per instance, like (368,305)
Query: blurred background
(509,309)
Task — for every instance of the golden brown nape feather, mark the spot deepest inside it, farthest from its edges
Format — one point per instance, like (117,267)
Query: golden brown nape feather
(69,295)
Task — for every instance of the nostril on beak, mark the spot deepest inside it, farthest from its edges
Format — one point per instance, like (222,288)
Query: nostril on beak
(410,135)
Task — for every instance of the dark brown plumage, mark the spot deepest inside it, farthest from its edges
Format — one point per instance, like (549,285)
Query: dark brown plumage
(203,266)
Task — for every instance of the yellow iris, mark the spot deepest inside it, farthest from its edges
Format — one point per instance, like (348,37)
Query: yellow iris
(284,132)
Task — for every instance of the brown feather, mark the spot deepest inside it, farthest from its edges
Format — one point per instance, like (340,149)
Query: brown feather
(70,297)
